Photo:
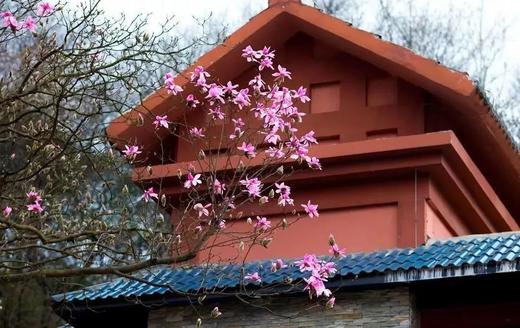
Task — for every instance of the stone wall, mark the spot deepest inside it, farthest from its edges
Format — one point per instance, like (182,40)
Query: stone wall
(368,308)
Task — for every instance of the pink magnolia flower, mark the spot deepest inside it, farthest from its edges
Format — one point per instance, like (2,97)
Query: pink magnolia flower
(262,223)
(33,196)
(170,84)
(7,211)
(253,186)
(316,286)
(215,92)
(149,194)
(238,122)
(242,98)
(216,113)
(249,54)
(308,263)
(248,149)
(285,194)
(221,224)
(254,277)
(199,75)
(313,162)
(301,94)
(275,152)
(336,251)
(161,121)
(327,269)
(192,181)
(131,151)
(9,20)
(282,73)
(30,24)
(218,187)
(330,303)
(197,132)
(13,156)
(35,207)
(265,62)
(202,209)
(310,209)
(44,9)
(277,265)
(229,89)
(191,101)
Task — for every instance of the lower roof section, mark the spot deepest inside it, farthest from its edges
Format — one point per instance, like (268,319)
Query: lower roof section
(473,255)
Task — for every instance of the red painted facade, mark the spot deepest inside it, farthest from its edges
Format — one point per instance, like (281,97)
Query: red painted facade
(409,149)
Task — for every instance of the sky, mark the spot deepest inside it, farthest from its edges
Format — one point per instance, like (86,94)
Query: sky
(234,13)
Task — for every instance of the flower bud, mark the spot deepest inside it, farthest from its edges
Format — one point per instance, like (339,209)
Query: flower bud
(271,193)
(201,299)
(163,200)
(263,200)
(149,170)
(241,246)
(332,241)
(199,322)
(285,224)
(330,303)
(215,313)
(202,154)
(280,170)
(265,242)
(249,221)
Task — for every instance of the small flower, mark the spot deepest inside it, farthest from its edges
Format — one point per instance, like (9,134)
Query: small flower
(170,85)
(7,211)
(336,251)
(9,20)
(33,196)
(35,208)
(44,9)
(191,102)
(221,224)
(192,181)
(330,303)
(197,132)
(30,24)
(262,223)
(253,186)
(149,194)
(254,277)
(161,121)
(248,149)
(202,209)
(277,265)
(216,113)
(310,209)
(131,151)
(218,187)
(282,73)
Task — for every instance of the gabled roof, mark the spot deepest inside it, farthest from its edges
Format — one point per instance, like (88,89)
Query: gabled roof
(468,256)
(283,19)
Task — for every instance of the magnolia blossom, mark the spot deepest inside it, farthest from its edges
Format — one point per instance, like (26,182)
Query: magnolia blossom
(131,151)
(33,196)
(30,24)
(35,207)
(149,194)
(301,94)
(7,211)
(191,101)
(316,286)
(248,149)
(253,186)
(218,187)
(262,223)
(199,76)
(277,265)
(161,121)
(254,277)
(310,209)
(203,210)
(192,181)
(215,93)
(44,9)
(197,132)
(282,73)
(216,113)
(8,20)
(285,194)
(336,251)
(170,85)
(221,224)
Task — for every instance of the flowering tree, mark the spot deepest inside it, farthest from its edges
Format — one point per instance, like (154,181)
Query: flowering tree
(67,209)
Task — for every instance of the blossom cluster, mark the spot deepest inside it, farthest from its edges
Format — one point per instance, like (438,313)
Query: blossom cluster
(9,20)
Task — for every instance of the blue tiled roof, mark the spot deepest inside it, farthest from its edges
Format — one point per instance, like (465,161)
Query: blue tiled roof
(466,252)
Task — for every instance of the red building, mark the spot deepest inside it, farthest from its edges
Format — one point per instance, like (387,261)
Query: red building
(413,154)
